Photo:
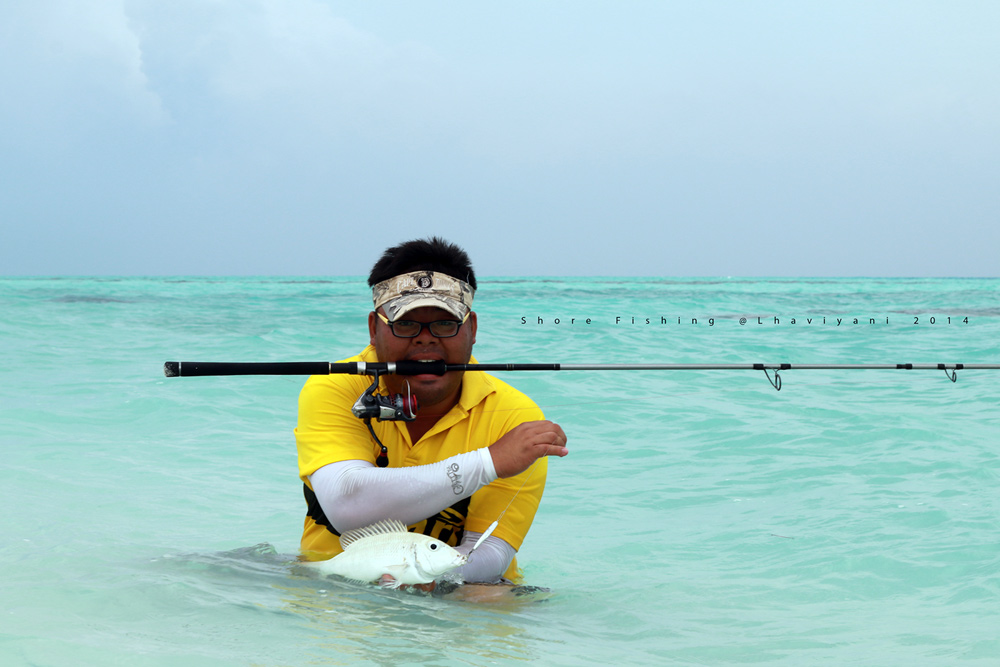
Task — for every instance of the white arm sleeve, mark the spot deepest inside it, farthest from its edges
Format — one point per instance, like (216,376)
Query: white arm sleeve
(487,563)
(355,493)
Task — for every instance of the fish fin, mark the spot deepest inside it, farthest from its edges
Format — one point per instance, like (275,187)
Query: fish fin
(388,581)
(385,527)
(395,574)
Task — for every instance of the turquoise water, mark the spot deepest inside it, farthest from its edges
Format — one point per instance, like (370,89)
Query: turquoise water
(701,518)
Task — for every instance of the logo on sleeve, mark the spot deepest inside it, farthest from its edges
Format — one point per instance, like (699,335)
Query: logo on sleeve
(456,479)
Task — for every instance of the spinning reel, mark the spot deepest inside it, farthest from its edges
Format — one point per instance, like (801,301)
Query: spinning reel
(395,407)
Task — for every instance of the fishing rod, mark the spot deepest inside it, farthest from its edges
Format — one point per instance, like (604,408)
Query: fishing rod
(399,407)
(190,369)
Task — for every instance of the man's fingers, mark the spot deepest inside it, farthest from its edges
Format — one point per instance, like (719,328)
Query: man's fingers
(546,449)
(549,432)
(525,444)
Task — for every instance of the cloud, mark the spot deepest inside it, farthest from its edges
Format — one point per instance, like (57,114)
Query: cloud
(70,64)
(245,69)
(219,130)
(289,69)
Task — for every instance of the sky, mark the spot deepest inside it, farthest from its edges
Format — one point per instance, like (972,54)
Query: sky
(625,138)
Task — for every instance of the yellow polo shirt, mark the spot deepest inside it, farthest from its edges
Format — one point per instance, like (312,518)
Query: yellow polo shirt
(487,408)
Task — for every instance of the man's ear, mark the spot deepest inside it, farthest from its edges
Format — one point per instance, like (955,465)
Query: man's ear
(372,323)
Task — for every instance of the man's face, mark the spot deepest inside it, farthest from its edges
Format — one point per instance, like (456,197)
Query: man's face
(435,393)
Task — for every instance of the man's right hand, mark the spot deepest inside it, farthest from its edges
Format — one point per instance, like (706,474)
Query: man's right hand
(526,443)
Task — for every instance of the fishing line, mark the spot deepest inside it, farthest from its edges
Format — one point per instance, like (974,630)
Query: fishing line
(493,526)
(546,406)
(689,390)
(397,407)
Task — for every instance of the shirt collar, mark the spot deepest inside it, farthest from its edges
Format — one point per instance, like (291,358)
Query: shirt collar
(475,385)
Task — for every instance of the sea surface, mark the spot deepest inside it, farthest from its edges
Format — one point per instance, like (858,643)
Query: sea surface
(701,518)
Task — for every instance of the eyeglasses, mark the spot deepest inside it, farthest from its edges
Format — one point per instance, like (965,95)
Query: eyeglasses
(412,328)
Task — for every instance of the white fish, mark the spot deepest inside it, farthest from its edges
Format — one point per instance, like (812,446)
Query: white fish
(387,547)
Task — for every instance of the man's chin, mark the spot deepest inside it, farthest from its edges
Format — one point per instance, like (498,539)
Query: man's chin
(430,390)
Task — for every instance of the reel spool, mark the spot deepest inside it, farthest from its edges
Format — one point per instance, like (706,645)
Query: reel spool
(395,407)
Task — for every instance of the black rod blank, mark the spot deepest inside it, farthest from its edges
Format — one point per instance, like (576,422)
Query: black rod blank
(191,368)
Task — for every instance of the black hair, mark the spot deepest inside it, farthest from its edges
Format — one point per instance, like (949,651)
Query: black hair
(433,254)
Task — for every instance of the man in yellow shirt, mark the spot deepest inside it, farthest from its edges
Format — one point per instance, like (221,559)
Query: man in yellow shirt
(475,450)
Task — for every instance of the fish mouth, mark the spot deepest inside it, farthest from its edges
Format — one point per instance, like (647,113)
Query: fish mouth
(434,572)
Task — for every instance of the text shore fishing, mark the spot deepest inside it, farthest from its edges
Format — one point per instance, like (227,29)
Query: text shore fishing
(754,320)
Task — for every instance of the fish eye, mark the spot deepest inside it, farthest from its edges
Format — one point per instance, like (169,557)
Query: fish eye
(434,547)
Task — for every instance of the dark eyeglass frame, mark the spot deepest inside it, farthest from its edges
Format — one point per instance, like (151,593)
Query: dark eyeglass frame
(428,325)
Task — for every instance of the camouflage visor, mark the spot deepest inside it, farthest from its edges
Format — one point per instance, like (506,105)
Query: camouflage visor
(403,293)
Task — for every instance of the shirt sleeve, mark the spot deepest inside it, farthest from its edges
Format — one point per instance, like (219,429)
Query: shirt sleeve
(488,563)
(354,494)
